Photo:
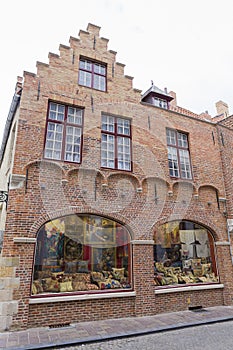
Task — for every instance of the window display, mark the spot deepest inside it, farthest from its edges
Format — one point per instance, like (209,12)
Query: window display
(184,254)
(81,253)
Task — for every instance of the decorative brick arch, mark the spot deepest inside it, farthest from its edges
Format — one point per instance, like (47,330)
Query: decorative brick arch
(209,185)
(45,162)
(61,213)
(195,219)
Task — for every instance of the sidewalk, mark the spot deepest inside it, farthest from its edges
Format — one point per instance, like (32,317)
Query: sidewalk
(80,333)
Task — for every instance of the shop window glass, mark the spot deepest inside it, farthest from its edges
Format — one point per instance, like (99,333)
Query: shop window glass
(184,254)
(81,253)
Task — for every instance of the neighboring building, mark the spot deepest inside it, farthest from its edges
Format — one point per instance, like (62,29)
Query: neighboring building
(119,204)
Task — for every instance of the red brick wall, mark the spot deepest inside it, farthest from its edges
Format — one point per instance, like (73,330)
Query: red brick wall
(225,135)
(79,311)
(172,302)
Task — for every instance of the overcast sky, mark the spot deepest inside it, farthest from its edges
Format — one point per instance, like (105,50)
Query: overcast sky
(184,45)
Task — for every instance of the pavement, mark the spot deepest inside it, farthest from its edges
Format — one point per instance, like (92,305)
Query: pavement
(93,331)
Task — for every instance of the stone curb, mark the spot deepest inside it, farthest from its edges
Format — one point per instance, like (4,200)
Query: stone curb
(124,334)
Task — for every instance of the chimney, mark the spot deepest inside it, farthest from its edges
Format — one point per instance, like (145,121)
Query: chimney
(222,109)
(174,101)
(19,85)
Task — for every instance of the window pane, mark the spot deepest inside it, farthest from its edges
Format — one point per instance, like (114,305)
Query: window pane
(185,164)
(56,112)
(81,253)
(74,115)
(86,65)
(99,83)
(182,254)
(100,69)
(72,146)
(84,78)
(171,137)
(57,155)
(160,102)
(123,126)
(182,140)
(59,128)
(173,162)
(48,153)
(57,145)
(108,123)
(156,101)
(107,151)
(123,149)
(53,144)
(58,137)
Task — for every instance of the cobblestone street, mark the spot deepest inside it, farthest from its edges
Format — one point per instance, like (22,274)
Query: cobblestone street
(217,336)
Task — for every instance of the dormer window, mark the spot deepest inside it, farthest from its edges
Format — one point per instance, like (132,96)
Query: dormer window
(159,102)
(157,97)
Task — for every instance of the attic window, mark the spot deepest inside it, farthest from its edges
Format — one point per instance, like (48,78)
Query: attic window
(159,102)
(92,74)
(157,97)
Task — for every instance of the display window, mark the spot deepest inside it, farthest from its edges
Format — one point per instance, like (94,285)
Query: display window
(184,254)
(78,253)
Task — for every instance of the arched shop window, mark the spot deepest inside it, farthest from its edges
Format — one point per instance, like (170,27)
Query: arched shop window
(184,254)
(81,253)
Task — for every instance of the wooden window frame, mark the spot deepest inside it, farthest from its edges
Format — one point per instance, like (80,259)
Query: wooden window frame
(178,149)
(65,123)
(93,73)
(115,135)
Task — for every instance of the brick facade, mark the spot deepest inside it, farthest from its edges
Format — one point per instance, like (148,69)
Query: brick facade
(45,190)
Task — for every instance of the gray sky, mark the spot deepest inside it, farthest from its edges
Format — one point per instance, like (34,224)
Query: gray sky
(184,45)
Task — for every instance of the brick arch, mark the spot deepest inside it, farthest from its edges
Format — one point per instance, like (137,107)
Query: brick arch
(211,234)
(83,170)
(209,195)
(210,226)
(210,186)
(183,183)
(132,177)
(42,220)
(155,178)
(44,162)
(83,175)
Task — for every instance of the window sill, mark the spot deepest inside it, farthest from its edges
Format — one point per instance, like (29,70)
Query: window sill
(116,169)
(91,88)
(54,299)
(188,288)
